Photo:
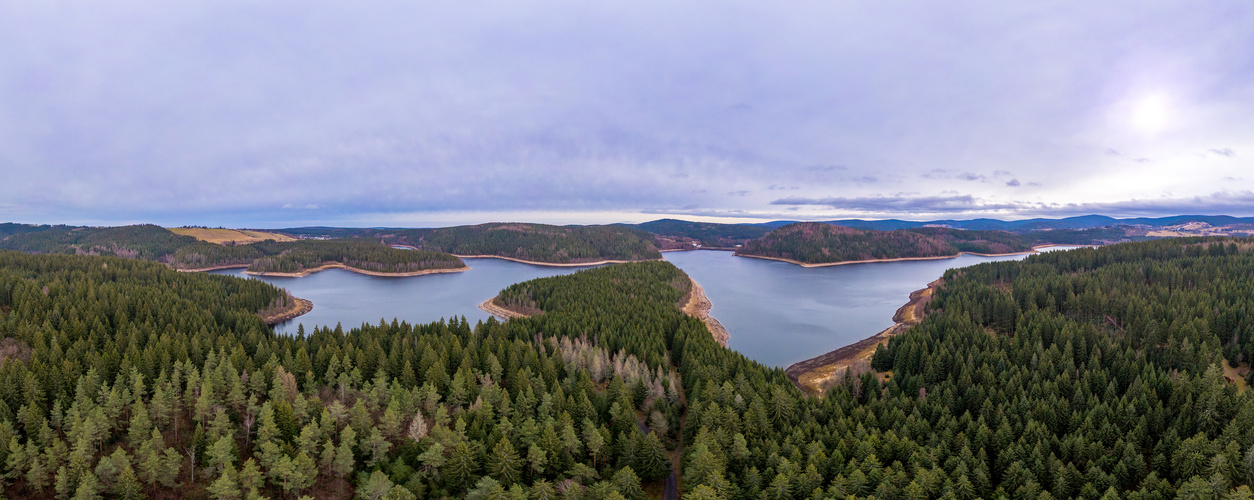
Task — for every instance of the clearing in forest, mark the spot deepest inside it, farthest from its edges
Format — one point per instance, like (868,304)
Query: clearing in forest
(221,236)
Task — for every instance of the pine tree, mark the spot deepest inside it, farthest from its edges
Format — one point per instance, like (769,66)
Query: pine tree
(503,462)
(652,459)
(462,464)
(226,487)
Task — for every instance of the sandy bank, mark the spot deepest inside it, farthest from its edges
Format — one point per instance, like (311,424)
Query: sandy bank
(552,264)
(298,307)
(698,306)
(812,374)
(1034,249)
(489,306)
(337,265)
(213,268)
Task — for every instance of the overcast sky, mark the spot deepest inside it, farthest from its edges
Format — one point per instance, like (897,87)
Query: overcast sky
(408,113)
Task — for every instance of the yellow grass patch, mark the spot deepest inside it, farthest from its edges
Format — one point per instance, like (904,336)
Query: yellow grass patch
(221,236)
(1236,374)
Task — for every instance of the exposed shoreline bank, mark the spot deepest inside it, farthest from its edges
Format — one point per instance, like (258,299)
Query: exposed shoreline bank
(337,265)
(552,264)
(698,306)
(1035,249)
(298,308)
(810,375)
(489,306)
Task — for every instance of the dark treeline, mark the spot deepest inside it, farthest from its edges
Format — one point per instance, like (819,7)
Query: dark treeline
(144,241)
(704,233)
(538,242)
(367,255)
(149,242)
(1094,373)
(532,242)
(818,243)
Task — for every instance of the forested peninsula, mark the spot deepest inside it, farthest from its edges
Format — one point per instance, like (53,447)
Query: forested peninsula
(818,243)
(1111,372)
(539,243)
(269,257)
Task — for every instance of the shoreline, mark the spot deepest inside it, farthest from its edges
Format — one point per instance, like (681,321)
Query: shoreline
(489,306)
(337,265)
(552,264)
(1035,249)
(698,306)
(809,375)
(298,309)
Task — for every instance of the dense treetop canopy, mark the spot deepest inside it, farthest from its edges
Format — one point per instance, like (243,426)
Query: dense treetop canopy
(1089,373)
(154,243)
(822,243)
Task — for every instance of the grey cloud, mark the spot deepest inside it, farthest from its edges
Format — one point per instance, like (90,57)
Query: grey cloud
(1222,202)
(1224,152)
(1013,183)
(235,109)
(901,204)
(738,193)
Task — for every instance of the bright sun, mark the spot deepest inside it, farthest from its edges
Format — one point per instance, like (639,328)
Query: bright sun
(1150,114)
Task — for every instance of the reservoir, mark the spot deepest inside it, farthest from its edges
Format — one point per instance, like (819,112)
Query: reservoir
(777,313)
(350,299)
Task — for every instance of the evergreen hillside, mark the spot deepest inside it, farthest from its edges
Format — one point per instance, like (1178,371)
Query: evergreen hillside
(154,243)
(1093,373)
(538,242)
(822,243)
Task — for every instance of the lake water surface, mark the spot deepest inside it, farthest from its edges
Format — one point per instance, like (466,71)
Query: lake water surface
(777,313)
(350,299)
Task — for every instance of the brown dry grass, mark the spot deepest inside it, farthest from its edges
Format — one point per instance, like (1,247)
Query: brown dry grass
(221,236)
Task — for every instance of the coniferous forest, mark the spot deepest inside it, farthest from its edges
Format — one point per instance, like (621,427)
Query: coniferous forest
(1093,373)
(823,243)
(150,242)
(540,242)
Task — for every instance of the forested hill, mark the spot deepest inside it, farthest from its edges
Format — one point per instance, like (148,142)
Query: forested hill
(1093,373)
(538,242)
(819,243)
(154,243)
(682,234)
(822,243)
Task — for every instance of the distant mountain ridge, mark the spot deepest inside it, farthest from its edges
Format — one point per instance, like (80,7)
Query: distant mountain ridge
(1041,224)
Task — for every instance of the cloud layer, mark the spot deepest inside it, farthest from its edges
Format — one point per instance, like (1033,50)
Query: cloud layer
(291,112)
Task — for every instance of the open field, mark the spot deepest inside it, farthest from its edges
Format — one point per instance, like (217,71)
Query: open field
(221,236)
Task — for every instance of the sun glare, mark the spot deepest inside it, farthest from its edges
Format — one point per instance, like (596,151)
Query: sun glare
(1150,114)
